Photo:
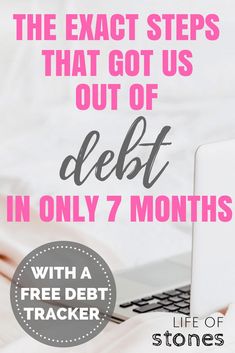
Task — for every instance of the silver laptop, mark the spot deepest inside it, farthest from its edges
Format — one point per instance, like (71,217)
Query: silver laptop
(165,286)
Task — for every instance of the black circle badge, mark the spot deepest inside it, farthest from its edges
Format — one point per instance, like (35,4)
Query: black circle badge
(63,294)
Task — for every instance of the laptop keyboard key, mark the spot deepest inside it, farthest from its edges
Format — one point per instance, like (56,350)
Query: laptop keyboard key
(161,296)
(185,296)
(185,289)
(141,303)
(147,308)
(125,305)
(162,310)
(172,293)
(182,305)
(176,299)
(165,302)
(172,308)
(185,311)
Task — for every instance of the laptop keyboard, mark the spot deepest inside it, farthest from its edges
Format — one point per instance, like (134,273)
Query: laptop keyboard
(173,301)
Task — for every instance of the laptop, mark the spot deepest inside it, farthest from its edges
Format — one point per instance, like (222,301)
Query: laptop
(205,283)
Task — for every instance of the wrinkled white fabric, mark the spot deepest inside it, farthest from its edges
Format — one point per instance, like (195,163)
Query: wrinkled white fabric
(135,335)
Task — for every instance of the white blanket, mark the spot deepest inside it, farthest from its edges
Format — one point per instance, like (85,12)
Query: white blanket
(135,335)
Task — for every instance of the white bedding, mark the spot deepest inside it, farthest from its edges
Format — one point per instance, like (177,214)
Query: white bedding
(135,335)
